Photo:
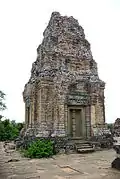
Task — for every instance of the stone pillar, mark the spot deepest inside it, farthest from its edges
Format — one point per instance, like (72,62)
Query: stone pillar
(93,120)
(26,116)
(104,110)
(38,110)
(73,123)
(69,124)
(55,125)
(66,119)
(27,112)
(88,121)
(61,120)
(32,112)
(43,106)
(83,123)
(30,116)
(97,112)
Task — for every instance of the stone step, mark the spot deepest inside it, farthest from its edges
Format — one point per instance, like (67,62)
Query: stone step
(90,149)
(84,147)
(85,144)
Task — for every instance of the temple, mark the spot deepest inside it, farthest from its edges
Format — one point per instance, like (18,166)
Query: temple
(64,95)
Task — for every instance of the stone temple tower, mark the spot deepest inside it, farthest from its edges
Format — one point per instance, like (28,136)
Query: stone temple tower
(64,95)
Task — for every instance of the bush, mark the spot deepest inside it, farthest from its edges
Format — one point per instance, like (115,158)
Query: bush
(39,149)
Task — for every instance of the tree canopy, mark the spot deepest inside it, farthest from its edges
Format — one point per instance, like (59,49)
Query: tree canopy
(9,130)
(2,103)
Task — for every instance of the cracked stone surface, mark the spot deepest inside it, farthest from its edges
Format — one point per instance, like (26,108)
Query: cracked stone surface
(74,166)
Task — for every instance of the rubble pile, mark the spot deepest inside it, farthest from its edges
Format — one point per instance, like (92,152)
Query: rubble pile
(102,138)
(116,146)
(116,129)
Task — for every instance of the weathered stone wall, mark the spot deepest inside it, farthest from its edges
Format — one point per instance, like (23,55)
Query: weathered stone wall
(64,74)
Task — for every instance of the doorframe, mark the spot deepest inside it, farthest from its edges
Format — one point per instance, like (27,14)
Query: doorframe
(82,108)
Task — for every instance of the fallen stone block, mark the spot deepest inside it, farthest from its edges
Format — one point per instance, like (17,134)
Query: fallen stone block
(116,164)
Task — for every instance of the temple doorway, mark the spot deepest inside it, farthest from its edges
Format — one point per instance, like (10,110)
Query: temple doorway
(76,122)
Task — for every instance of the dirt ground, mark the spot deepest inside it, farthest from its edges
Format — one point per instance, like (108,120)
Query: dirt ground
(95,165)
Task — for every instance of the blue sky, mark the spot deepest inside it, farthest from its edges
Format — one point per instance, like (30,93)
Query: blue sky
(22,23)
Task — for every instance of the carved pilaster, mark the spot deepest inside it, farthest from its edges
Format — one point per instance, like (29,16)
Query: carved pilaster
(88,121)
(103,103)
(66,118)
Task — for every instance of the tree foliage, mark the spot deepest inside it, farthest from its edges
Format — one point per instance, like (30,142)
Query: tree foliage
(2,103)
(110,126)
(9,130)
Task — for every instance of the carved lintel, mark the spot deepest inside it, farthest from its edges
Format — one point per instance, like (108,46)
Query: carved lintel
(78,100)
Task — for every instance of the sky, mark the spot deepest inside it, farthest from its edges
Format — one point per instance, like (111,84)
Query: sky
(22,23)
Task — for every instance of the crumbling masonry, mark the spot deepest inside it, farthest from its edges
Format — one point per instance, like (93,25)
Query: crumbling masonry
(64,95)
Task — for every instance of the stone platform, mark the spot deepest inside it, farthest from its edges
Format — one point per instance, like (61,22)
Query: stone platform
(73,166)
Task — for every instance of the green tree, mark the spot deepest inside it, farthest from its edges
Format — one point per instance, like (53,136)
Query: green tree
(110,126)
(19,126)
(9,130)
(2,103)
(2,131)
